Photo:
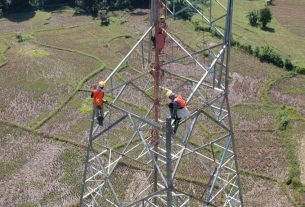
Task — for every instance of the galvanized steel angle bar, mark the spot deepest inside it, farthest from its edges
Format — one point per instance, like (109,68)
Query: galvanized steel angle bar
(146,198)
(129,53)
(216,175)
(147,121)
(110,127)
(194,54)
(185,50)
(205,75)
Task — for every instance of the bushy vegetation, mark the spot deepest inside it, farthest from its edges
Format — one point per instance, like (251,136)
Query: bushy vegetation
(253,18)
(263,17)
(300,70)
(285,115)
(288,65)
(268,55)
(23,37)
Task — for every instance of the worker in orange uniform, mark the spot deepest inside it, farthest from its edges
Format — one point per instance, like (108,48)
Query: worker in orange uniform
(177,108)
(97,96)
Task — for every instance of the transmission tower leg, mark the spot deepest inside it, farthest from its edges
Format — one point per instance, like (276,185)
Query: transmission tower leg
(169,162)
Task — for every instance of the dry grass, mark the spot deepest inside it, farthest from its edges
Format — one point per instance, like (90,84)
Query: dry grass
(96,43)
(42,81)
(36,176)
(290,92)
(71,122)
(262,153)
(291,15)
(257,192)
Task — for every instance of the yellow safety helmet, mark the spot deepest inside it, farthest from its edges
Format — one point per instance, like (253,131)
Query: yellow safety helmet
(102,84)
(168,93)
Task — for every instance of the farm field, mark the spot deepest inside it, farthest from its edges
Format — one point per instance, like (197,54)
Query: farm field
(45,108)
(283,32)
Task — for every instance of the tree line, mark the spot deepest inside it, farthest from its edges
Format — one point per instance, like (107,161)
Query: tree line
(86,6)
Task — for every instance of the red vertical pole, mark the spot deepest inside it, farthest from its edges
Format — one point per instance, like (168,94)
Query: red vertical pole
(156,74)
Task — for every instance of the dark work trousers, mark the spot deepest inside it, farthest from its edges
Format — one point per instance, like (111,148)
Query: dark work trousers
(174,116)
(99,114)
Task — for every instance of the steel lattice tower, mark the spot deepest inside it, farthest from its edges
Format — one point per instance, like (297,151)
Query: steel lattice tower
(133,160)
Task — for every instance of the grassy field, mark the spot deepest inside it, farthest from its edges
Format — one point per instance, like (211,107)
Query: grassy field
(280,37)
(45,116)
(283,32)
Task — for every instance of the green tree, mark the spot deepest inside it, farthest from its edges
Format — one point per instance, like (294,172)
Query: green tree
(4,4)
(265,17)
(253,18)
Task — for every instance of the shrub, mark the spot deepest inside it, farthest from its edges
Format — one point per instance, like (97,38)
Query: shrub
(269,56)
(288,65)
(296,182)
(284,118)
(199,27)
(257,52)
(253,18)
(103,16)
(265,17)
(23,37)
(249,49)
(215,33)
(300,70)
(1,13)
(233,42)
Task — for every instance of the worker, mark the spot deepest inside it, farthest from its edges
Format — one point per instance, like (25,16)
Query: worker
(97,96)
(177,108)
(159,41)
(161,36)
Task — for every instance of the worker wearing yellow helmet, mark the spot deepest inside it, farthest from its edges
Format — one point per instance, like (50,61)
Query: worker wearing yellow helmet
(97,96)
(177,108)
